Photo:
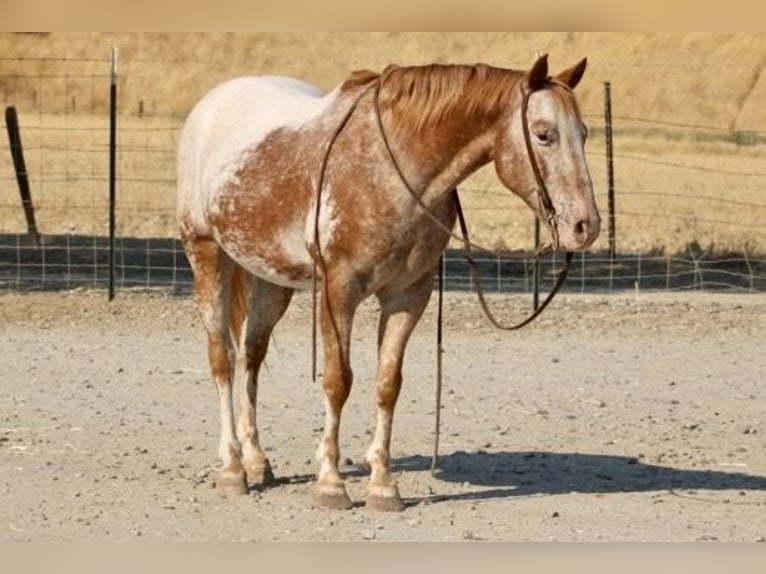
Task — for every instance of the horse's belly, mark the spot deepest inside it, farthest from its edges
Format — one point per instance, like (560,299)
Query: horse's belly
(282,259)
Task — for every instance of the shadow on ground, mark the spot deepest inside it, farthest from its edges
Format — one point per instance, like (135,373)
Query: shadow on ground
(510,474)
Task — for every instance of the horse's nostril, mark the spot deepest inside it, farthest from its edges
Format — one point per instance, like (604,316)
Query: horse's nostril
(582,229)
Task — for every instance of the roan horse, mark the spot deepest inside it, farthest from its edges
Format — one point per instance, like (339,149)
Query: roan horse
(387,149)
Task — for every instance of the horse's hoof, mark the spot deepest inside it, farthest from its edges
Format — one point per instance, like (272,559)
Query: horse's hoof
(261,475)
(380,503)
(232,484)
(332,500)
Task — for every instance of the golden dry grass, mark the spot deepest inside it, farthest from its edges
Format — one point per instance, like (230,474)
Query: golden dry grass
(675,184)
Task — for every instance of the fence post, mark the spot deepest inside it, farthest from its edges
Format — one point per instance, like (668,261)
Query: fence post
(609,176)
(20,166)
(751,275)
(112,168)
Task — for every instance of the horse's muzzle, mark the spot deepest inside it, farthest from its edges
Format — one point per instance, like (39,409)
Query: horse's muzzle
(580,235)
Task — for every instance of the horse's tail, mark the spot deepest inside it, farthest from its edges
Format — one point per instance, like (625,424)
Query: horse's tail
(240,302)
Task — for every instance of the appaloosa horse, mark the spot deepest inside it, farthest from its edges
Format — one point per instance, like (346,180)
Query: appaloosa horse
(281,187)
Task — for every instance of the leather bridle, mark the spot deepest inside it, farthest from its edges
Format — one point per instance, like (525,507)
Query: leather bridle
(547,212)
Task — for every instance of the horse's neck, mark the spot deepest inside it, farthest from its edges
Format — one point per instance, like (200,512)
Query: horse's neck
(440,155)
(442,121)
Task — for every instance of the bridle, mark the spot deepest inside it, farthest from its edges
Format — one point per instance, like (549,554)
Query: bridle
(545,204)
(547,212)
(546,209)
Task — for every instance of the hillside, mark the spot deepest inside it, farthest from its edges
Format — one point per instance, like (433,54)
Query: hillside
(710,78)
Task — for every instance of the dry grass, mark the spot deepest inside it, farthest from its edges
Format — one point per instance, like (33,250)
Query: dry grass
(674,185)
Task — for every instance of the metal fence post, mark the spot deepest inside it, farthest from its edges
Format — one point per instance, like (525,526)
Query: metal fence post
(610,176)
(112,169)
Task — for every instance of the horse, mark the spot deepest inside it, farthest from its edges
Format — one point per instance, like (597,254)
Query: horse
(283,187)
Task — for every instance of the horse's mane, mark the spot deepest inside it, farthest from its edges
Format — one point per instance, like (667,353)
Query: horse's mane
(425,94)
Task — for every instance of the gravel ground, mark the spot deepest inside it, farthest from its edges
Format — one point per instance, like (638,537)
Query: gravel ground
(633,417)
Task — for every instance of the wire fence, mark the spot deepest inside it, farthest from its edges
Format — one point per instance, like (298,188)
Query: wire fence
(74,261)
(690,195)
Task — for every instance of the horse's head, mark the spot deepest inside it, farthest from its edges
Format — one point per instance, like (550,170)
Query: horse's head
(550,142)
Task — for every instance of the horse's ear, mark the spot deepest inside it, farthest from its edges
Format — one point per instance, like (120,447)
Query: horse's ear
(537,76)
(572,76)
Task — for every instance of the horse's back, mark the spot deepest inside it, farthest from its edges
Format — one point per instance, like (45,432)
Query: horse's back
(230,119)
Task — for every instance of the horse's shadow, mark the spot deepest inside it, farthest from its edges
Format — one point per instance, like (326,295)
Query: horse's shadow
(518,474)
(512,474)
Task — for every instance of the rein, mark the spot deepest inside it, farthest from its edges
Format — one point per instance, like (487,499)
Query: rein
(476,280)
(546,211)
(546,208)
(316,251)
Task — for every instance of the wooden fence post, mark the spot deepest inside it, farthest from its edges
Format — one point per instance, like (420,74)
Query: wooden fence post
(19,165)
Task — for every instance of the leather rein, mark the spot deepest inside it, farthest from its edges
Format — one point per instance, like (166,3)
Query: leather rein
(546,211)
(545,206)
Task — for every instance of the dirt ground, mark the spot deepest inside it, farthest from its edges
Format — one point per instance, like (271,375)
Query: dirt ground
(632,417)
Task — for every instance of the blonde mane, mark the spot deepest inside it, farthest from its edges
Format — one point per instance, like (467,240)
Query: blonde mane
(425,95)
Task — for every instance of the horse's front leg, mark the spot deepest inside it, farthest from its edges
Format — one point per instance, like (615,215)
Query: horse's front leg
(337,311)
(400,312)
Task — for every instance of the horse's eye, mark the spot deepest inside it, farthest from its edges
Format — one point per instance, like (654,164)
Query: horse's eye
(544,137)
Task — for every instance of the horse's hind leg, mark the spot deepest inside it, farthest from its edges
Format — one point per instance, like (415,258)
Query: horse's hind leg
(268,303)
(400,312)
(212,286)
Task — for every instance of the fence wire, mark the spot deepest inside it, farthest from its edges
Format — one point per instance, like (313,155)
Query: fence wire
(75,261)
(690,196)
